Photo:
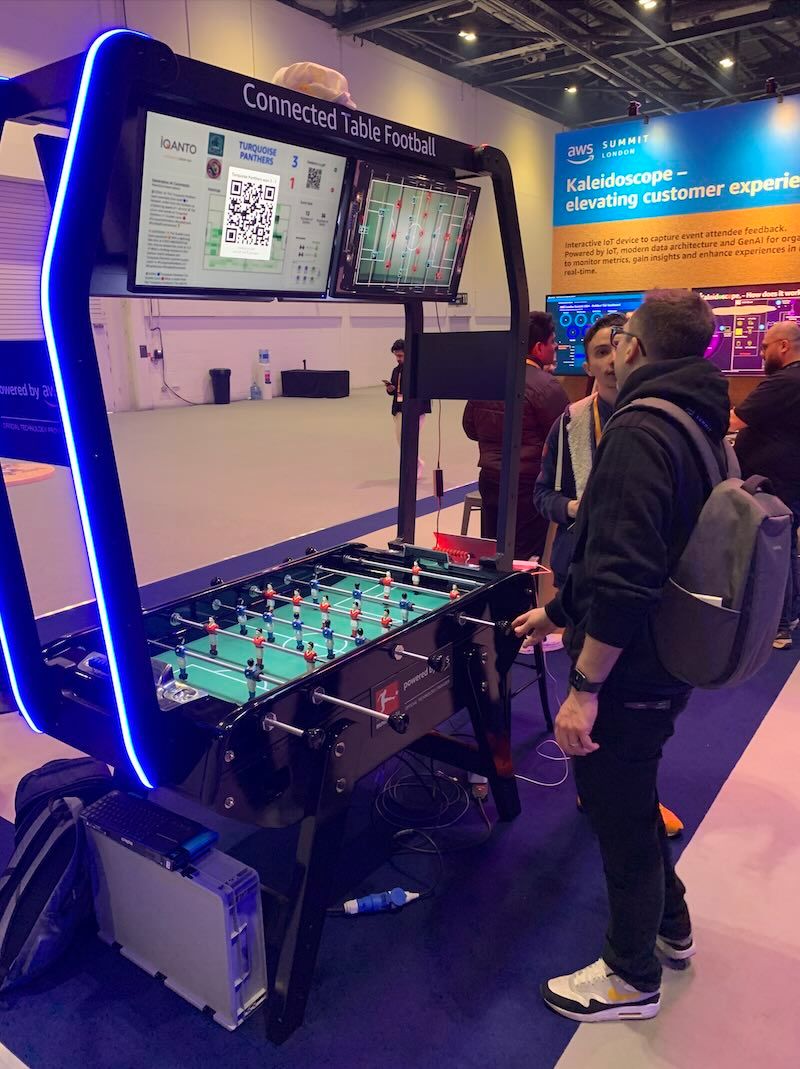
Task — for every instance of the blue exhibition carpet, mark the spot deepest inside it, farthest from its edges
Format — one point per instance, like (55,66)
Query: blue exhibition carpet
(449,980)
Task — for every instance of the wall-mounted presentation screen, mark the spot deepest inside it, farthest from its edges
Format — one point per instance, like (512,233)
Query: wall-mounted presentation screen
(744,314)
(222,212)
(405,235)
(573,314)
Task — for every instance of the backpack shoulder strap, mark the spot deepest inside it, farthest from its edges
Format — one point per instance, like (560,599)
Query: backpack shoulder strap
(713,467)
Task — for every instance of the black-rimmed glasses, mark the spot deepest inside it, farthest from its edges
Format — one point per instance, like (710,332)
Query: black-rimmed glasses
(615,335)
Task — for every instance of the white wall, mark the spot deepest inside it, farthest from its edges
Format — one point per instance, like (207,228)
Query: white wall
(256,38)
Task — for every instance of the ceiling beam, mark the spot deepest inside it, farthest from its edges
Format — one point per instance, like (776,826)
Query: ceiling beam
(510,53)
(400,13)
(514,15)
(626,10)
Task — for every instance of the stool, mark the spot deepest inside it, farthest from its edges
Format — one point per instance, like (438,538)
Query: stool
(471,503)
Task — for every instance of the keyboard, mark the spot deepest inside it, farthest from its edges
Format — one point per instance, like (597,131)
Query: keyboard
(149,829)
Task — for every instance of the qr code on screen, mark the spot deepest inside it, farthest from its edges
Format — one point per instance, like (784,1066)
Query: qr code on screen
(250,213)
(314,177)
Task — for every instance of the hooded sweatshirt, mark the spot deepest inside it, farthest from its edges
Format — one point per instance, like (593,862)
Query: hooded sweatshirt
(641,504)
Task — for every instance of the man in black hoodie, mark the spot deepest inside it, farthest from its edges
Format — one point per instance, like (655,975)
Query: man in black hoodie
(642,501)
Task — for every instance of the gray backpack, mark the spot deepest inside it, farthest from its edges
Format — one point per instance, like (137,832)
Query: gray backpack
(721,606)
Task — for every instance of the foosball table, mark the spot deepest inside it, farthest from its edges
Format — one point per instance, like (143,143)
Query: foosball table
(294,750)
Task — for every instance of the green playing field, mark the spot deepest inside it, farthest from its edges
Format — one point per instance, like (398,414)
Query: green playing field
(281,658)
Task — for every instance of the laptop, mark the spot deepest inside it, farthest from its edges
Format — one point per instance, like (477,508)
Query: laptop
(170,840)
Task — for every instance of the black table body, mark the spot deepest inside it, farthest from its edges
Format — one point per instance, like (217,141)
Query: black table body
(300,383)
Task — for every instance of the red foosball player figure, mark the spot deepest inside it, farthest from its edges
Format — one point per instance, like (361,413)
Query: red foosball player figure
(454,592)
(297,600)
(212,627)
(386,583)
(324,605)
(269,594)
(386,620)
(355,612)
(310,657)
(415,570)
(259,642)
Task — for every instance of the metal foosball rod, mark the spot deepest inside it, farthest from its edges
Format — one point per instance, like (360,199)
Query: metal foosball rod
(176,618)
(410,571)
(286,623)
(219,661)
(435,661)
(400,586)
(255,592)
(397,721)
(504,626)
(367,597)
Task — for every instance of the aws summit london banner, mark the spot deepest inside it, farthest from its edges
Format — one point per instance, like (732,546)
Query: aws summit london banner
(705,198)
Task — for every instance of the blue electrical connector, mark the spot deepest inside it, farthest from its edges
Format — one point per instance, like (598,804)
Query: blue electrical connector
(377,903)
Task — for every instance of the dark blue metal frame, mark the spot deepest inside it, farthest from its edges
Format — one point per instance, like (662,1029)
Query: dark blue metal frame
(93,96)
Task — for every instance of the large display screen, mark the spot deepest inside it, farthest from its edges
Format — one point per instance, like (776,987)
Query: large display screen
(404,235)
(573,314)
(223,212)
(744,314)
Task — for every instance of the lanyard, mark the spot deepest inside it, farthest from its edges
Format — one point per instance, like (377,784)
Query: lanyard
(598,430)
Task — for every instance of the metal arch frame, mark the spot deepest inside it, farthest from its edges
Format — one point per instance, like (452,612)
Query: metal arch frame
(92,95)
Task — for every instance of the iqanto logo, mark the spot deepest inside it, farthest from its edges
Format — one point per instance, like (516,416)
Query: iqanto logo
(185,147)
(580,154)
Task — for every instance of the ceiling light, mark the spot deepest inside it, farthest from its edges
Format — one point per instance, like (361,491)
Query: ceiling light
(468,35)
(726,62)
(571,89)
(648,5)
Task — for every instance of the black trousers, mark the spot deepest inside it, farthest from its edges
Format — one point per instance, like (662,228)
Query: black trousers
(531,529)
(617,788)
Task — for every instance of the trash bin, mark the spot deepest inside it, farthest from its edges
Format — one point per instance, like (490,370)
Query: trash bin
(221,384)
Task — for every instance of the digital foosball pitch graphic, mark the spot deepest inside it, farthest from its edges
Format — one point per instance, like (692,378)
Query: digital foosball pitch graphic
(409,234)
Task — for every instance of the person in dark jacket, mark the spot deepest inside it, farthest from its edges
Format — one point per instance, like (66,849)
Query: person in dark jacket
(545,400)
(572,442)
(568,458)
(394,387)
(640,506)
(768,443)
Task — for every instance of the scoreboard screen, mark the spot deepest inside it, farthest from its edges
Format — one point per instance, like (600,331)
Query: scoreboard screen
(223,212)
(404,235)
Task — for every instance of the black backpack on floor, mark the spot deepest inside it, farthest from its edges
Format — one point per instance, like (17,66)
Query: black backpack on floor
(45,889)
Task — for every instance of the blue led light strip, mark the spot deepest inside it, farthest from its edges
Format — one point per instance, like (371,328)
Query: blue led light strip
(12,678)
(69,434)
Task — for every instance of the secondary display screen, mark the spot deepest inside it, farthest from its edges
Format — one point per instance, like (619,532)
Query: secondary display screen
(744,314)
(224,212)
(574,313)
(405,235)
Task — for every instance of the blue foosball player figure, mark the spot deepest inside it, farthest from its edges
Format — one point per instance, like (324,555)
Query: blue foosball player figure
(406,606)
(241,617)
(252,674)
(357,592)
(180,653)
(315,591)
(327,634)
(360,637)
(268,616)
(297,627)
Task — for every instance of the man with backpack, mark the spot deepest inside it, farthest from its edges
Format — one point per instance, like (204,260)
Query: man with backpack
(640,507)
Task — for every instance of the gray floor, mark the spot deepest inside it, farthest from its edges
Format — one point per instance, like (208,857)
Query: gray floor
(202,484)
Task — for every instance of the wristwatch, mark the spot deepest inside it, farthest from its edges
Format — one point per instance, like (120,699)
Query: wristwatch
(578,681)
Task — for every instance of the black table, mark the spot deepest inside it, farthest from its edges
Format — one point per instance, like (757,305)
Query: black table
(307,383)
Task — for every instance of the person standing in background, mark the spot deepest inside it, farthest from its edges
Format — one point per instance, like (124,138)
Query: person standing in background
(483,421)
(768,443)
(394,387)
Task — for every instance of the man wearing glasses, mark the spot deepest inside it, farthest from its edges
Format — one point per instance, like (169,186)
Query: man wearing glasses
(639,508)
(768,443)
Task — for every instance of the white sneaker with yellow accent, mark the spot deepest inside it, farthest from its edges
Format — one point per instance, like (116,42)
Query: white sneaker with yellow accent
(596,993)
